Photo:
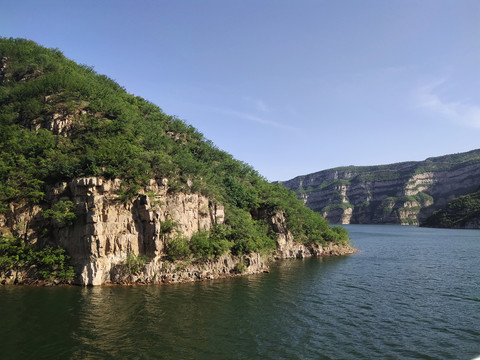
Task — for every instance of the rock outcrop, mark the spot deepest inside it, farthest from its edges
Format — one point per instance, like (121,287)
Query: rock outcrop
(403,193)
(288,248)
(106,231)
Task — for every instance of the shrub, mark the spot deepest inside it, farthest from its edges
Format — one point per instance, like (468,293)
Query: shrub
(178,248)
(209,244)
(167,226)
(248,235)
(135,263)
(61,212)
(51,263)
(240,267)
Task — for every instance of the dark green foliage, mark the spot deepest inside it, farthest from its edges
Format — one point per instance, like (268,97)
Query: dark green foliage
(342,234)
(241,267)
(49,263)
(210,244)
(178,248)
(242,195)
(306,225)
(310,227)
(61,213)
(52,264)
(113,134)
(167,226)
(339,205)
(457,213)
(13,254)
(423,198)
(135,263)
(201,246)
(248,235)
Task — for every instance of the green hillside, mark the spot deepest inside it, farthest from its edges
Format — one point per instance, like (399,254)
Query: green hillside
(462,212)
(113,134)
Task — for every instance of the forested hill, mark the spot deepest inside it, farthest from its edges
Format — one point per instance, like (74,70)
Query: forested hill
(401,193)
(462,212)
(60,121)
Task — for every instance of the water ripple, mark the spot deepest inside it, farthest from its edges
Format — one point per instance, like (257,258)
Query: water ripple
(410,294)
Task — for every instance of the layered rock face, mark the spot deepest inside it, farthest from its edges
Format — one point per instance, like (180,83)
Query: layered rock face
(404,193)
(106,231)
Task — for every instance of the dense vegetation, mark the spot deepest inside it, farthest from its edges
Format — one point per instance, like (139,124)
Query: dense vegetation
(458,213)
(48,263)
(112,134)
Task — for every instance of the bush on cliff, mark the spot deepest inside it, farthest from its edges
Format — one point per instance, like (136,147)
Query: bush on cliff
(135,263)
(48,263)
(210,244)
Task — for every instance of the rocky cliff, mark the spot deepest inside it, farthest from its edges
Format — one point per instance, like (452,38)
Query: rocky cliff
(403,193)
(106,231)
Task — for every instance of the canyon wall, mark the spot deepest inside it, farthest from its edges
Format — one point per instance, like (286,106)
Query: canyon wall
(403,193)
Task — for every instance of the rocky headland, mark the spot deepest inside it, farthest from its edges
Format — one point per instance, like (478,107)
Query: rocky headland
(107,231)
(98,186)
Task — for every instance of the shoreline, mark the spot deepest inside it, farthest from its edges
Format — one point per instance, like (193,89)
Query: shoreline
(225,266)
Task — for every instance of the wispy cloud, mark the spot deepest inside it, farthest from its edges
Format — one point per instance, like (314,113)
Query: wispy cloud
(247,116)
(460,112)
(261,106)
(253,116)
(258,104)
(257,119)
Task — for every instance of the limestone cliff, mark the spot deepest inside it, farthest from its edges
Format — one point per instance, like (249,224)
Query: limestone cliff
(403,193)
(105,231)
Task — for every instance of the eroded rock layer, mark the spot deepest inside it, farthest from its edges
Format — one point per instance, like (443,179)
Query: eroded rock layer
(403,193)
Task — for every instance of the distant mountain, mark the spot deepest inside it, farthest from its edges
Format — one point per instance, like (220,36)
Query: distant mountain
(402,193)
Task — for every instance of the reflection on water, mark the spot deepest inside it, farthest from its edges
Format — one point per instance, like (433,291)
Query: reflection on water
(415,298)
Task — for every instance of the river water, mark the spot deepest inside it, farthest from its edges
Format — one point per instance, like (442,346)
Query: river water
(411,293)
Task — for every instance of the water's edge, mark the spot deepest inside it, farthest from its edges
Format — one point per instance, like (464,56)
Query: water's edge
(226,266)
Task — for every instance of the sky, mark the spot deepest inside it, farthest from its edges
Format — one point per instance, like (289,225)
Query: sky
(289,87)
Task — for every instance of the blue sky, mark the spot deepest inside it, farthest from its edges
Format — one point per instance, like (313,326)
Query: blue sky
(290,87)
